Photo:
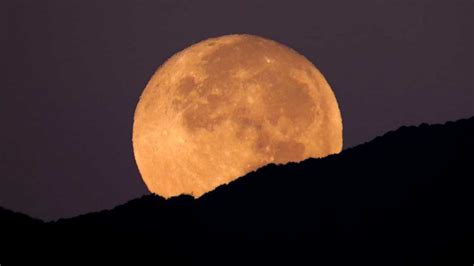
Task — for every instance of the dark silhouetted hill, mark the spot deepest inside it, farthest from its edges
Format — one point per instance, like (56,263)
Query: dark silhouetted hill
(10,220)
(405,198)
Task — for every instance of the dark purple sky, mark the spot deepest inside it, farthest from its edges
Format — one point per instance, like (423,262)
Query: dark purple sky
(72,72)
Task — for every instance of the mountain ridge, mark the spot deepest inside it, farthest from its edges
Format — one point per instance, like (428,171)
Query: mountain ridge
(405,195)
(360,146)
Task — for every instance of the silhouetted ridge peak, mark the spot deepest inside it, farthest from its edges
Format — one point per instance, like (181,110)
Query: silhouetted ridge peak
(11,218)
(409,138)
(404,198)
(399,138)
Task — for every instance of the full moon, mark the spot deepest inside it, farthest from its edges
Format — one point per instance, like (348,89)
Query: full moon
(227,106)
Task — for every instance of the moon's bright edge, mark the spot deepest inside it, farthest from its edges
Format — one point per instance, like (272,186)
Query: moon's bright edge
(226,106)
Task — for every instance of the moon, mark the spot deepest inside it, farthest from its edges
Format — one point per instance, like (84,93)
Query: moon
(227,106)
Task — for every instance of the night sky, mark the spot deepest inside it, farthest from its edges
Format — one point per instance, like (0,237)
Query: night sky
(72,73)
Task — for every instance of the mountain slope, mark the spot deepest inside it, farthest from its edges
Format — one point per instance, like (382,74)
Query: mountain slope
(403,198)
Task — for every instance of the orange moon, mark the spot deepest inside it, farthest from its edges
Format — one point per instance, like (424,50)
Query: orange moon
(227,106)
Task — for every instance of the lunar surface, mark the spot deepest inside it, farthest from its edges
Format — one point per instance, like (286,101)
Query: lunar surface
(227,106)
